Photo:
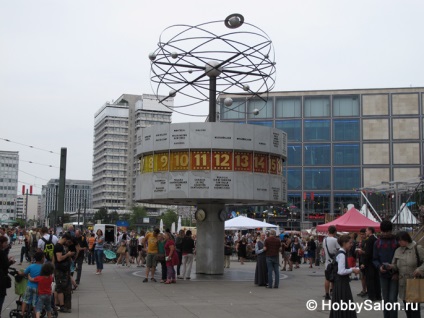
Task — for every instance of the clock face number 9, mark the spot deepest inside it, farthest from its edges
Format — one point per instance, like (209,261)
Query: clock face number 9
(161,162)
(200,215)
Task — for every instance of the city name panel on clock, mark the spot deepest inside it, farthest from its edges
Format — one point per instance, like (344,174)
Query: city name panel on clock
(190,163)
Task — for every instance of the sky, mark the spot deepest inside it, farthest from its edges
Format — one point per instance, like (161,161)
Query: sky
(60,61)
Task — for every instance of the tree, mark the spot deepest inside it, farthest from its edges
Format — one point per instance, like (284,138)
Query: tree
(113,217)
(101,215)
(137,215)
(20,222)
(169,217)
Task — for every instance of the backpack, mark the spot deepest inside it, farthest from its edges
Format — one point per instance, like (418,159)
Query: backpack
(34,241)
(48,247)
(332,268)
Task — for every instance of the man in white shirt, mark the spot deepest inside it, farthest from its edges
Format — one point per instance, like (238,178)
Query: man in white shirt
(45,234)
(4,233)
(330,247)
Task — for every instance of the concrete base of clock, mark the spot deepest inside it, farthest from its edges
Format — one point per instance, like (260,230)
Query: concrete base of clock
(210,241)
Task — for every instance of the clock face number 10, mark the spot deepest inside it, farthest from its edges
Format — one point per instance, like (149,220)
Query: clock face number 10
(179,160)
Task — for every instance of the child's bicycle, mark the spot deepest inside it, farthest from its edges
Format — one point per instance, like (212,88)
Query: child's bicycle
(20,286)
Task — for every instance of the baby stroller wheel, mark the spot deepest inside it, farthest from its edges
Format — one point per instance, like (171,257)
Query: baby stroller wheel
(15,313)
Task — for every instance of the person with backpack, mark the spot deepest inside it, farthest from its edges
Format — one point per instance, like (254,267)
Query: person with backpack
(46,244)
(330,246)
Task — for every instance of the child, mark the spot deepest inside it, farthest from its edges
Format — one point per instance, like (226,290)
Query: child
(44,289)
(31,292)
(341,289)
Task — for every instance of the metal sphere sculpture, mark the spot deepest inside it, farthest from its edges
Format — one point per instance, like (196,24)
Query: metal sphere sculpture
(202,61)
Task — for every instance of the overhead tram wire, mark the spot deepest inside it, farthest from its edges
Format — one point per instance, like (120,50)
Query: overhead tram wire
(29,146)
(33,175)
(40,164)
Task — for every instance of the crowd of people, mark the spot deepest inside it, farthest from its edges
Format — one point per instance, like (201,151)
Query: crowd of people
(382,264)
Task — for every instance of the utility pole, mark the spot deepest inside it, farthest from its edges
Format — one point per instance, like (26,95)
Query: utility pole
(85,210)
(26,207)
(62,181)
(79,209)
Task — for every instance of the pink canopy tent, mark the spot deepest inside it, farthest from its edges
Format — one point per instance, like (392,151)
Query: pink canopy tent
(351,221)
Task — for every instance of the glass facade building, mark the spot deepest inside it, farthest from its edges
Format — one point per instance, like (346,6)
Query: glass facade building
(340,140)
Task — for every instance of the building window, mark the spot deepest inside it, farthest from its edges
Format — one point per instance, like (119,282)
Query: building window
(316,130)
(346,105)
(288,107)
(293,128)
(294,178)
(265,108)
(317,179)
(317,154)
(317,106)
(346,130)
(320,203)
(346,178)
(236,111)
(342,200)
(294,155)
(346,154)
(261,123)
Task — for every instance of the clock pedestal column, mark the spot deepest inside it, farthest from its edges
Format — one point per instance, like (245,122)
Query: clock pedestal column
(210,241)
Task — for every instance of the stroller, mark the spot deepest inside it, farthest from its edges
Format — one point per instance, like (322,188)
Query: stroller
(20,287)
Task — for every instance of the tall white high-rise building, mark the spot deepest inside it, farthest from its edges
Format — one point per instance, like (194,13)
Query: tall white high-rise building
(9,166)
(115,133)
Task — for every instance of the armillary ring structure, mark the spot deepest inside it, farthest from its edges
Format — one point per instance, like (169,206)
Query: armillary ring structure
(200,62)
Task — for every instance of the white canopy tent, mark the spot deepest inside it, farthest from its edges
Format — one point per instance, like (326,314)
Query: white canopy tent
(245,223)
(404,216)
(366,212)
